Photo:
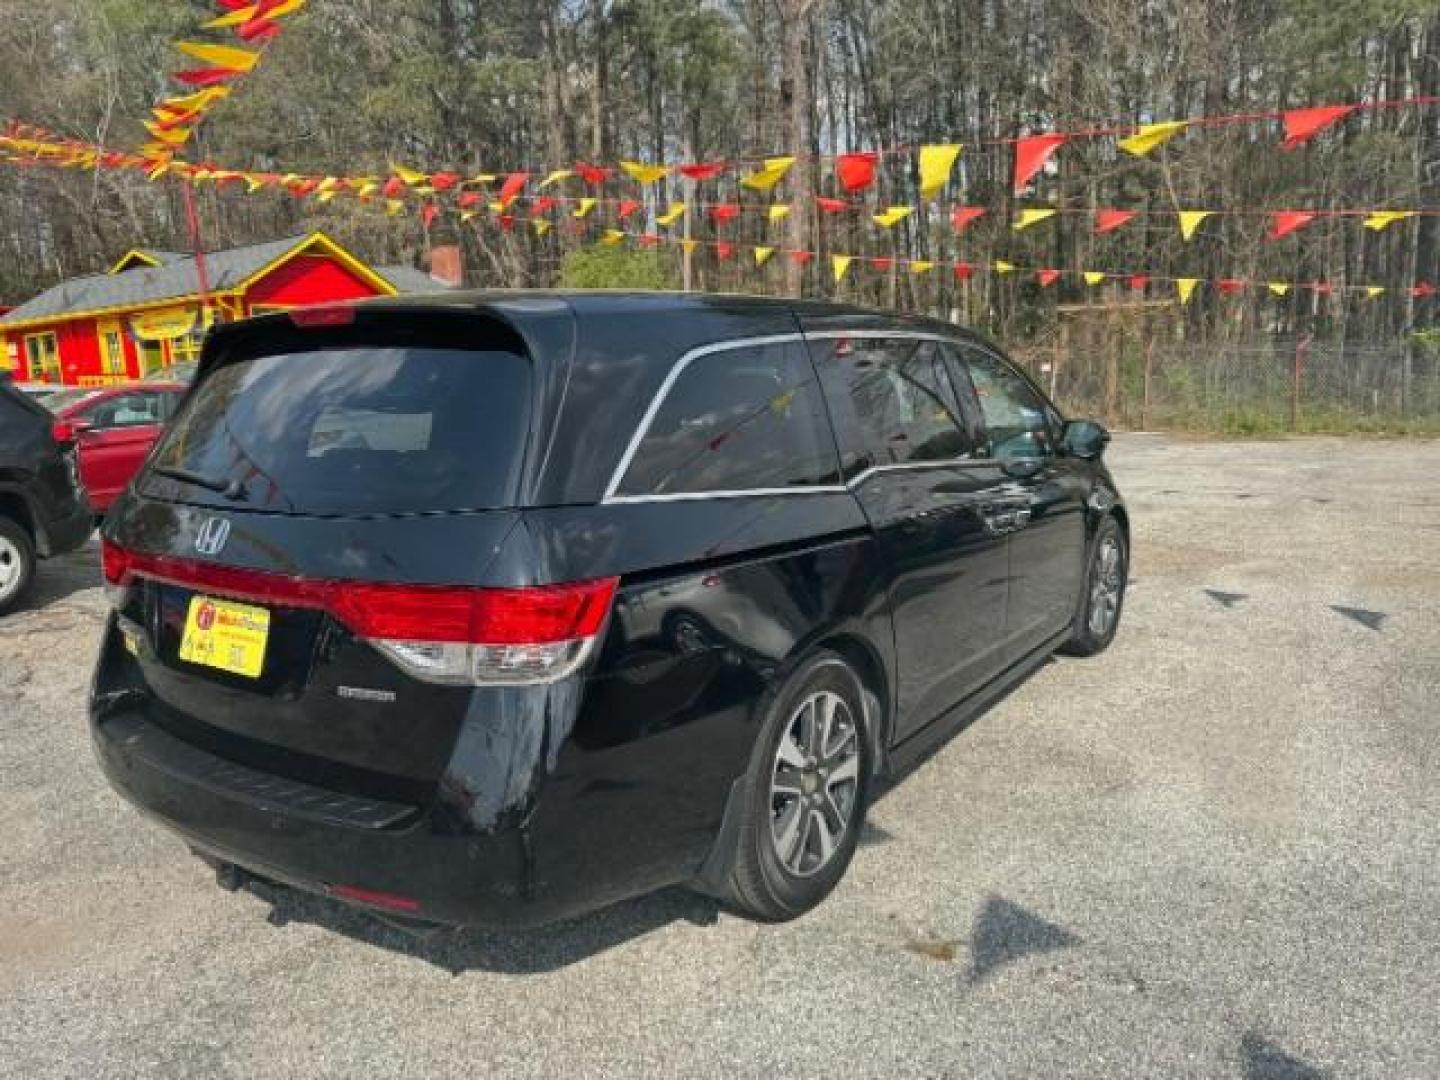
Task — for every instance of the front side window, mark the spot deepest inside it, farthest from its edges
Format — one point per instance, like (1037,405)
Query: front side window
(1017,419)
(893,402)
(739,420)
(126,410)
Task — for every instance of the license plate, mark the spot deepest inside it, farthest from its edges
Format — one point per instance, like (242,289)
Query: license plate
(227,636)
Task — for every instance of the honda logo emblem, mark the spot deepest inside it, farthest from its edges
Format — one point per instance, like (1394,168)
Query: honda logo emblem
(212,536)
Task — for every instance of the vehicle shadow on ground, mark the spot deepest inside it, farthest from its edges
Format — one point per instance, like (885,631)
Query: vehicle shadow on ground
(60,578)
(526,952)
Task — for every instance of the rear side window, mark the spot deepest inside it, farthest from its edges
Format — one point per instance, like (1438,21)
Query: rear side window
(354,431)
(893,402)
(742,419)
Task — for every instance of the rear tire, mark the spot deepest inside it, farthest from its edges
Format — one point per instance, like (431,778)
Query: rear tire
(805,794)
(17,564)
(1103,598)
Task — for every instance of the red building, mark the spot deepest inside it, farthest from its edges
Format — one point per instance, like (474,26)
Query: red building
(146,313)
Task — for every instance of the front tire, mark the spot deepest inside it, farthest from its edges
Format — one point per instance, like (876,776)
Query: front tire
(17,564)
(1098,615)
(805,794)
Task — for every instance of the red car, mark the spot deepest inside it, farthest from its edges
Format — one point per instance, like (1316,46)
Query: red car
(113,429)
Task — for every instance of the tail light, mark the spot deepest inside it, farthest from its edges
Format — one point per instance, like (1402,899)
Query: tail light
(440,634)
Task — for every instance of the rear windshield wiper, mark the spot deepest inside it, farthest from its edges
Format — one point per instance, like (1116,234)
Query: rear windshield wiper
(231,489)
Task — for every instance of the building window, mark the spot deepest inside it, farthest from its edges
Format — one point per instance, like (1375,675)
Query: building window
(112,350)
(42,355)
(186,348)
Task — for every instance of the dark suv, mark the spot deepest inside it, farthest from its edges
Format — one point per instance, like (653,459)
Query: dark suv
(494,608)
(43,511)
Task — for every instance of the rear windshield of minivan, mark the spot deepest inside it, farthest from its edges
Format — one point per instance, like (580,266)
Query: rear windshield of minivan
(351,431)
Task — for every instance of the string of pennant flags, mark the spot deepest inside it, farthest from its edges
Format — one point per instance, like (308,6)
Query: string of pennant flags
(175,119)
(25,149)
(843,265)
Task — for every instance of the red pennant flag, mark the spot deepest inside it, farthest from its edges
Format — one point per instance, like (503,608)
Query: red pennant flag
(1284,222)
(543,203)
(206,76)
(1422,290)
(1031,153)
(394,188)
(444,181)
(593,175)
(514,184)
(856,172)
(703,170)
(723,212)
(258,30)
(1322,288)
(305,187)
(507,222)
(429,214)
(882,264)
(1230,286)
(469,199)
(1046,278)
(962,216)
(1302,125)
(964,271)
(800,258)
(1138,281)
(724,250)
(628,207)
(831,206)
(649,239)
(1110,220)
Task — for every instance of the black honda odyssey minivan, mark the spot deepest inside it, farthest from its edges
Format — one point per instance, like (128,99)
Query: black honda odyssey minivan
(493,608)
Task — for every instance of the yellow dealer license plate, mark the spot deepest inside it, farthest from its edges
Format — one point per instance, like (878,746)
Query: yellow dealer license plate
(224,635)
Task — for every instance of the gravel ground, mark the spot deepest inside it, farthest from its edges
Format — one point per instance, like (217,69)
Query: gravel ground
(1210,852)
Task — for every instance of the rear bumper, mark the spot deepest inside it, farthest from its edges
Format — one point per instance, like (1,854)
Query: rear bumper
(295,835)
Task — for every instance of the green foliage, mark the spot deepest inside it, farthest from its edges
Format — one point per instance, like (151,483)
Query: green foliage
(615,268)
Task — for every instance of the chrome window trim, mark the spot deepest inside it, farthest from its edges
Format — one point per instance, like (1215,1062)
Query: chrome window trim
(610,497)
(661,394)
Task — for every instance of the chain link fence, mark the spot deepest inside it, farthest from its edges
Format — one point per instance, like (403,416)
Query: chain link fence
(1278,385)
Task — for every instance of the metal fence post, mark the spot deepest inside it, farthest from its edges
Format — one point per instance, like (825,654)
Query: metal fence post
(1302,346)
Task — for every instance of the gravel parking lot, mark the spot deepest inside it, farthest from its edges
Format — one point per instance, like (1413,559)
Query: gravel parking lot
(1212,851)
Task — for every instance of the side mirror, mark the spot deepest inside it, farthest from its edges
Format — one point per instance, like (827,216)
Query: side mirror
(1084,439)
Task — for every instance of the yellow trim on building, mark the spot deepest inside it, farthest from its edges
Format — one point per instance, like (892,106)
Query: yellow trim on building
(130,258)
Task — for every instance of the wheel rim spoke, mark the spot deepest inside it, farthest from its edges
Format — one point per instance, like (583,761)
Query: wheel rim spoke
(790,833)
(846,772)
(790,751)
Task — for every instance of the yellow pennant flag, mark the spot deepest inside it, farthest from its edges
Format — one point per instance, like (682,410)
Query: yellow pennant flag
(762,255)
(689,246)
(674,214)
(367,188)
(584,207)
(1279,288)
(220,56)
(645,174)
(172,137)
(394,207)
(1372,291)
(921,266)
(469,215)
(612,237)
(496,207)
(241,16)
(1382,219)
(1032,217)
(325,196)
(1003,267)
(1185,286)
(540,225)
(1094,277)
(482,179)
(196,102)
(1150,136)
(840,265)
(253,184)
(556,176)
(935,165)
(329,183)
(156,171)
(893,215)
(409,176)
(779,211)
(1190,221)
(766,178)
